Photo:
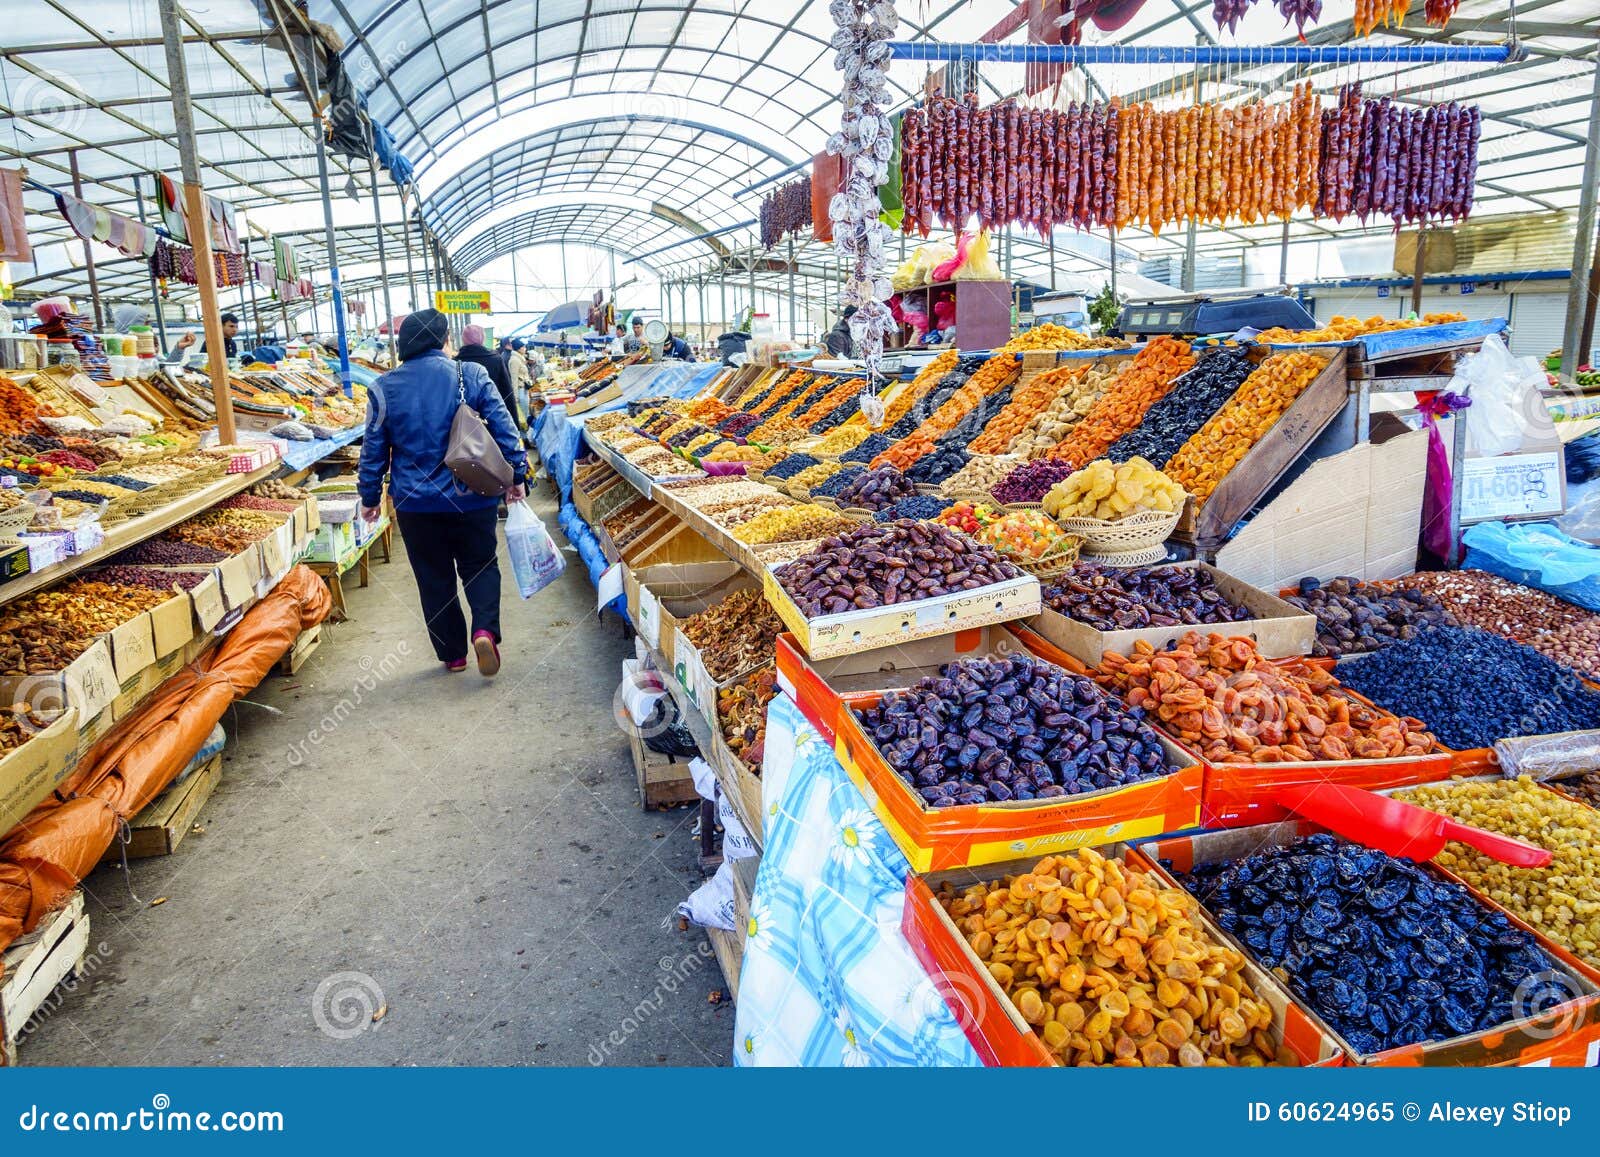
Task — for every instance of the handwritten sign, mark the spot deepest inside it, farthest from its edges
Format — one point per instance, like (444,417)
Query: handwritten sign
(1512,486)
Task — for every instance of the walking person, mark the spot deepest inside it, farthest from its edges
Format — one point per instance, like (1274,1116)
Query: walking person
(473,350)
(448,530)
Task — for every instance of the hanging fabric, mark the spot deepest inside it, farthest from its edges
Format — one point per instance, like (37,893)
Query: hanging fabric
(13,233)
(92,223)
(222,218)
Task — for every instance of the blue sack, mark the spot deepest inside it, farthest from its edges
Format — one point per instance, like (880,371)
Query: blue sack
(1537,554)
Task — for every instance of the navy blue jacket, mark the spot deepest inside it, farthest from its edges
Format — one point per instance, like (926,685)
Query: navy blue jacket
(409,411)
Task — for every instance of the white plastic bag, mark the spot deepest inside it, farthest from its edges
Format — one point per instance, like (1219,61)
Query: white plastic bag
(534,558)
(1507,409)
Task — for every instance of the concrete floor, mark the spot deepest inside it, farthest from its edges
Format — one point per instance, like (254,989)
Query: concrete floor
(468,854)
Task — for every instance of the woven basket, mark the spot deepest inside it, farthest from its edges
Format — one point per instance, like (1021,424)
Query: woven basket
(1053,564)
(1137,532)
(1147,556)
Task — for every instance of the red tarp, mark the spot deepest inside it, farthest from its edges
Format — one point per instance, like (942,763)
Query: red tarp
(61,840)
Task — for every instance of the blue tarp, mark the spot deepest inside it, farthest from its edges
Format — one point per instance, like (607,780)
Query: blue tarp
(572,315)
(299,455)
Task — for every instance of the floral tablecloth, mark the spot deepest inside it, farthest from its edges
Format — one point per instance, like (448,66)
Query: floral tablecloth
(828,978)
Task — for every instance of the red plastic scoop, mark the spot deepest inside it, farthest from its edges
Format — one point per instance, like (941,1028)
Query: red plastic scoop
(1399,828)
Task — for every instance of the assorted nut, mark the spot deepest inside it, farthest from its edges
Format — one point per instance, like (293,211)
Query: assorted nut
(1561,900)
(879,564)
(1219,696)
(1027,402)
(793,524)
(1129,598)
(1570,635)
(1111,966)
(987,730)
(1354,617)
(980,473)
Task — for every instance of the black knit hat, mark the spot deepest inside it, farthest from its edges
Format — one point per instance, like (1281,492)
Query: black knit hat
(422,331)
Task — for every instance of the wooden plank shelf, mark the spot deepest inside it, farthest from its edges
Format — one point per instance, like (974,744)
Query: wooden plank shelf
(35,964)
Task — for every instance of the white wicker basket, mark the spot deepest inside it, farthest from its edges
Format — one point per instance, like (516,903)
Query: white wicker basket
(1137,532)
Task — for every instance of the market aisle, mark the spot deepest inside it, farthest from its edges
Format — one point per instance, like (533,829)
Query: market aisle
(472,850)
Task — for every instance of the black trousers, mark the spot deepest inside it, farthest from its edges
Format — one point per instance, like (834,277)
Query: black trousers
(443,547)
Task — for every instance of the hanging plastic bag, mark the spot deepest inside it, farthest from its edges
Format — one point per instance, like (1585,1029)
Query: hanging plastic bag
(1436,497)
(1582,519)
(1508,411)
(534,558)
(980,264)
(1537,554)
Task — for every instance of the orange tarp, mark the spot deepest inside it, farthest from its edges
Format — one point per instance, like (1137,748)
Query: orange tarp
(43,858)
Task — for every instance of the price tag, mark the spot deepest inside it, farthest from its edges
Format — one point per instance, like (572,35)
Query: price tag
(1512,486)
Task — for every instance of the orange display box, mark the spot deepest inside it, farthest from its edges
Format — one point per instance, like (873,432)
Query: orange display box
(1242,794)
(829,694)
(1567,1035)
(992,1023)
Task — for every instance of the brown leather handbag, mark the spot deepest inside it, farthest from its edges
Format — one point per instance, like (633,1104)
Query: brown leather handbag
(472,454)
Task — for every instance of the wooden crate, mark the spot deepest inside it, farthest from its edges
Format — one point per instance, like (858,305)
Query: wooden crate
(1208,526)
(663,781)
(35,964)
(166,820)
(297,656)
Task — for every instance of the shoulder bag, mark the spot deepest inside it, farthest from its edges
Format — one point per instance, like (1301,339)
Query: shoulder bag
(472,454)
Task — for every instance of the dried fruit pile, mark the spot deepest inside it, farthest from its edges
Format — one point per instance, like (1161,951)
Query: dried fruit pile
(1230,433)
(1343,328)
(1194,397)
(1026,534)
(875,489)
(1030,481)
(168,552)
(1027,403)
(742,714)
(980,473)
(1219,696)
(987,730)
(787,209)
(1128,598)
(43,632)
(158,580)
(918,507)
(735,635)
(1570,635)
(794,523)
(1354,617)
(1079,393)
(1561,900)
(1382,949)
(880,564)
(1474,688)
(1123,404)
(1108,491)
(1109,966)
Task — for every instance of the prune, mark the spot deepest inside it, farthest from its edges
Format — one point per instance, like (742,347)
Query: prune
(1178,416)
(919,507)
(1354,617)
(998,739)
(1104,597)
(869,448)
(1426,971)
(1473,688)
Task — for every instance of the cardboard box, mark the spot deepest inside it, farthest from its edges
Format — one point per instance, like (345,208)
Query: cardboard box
(1355,513)
(1278,628)
(172,624)
(332,541)
(134,692)
(934,839)
(848,632)
(993,1024)
(238,576)
(133,647)
(35,769)
(1564,1035)
(14,562)
(659,595)
(210,607)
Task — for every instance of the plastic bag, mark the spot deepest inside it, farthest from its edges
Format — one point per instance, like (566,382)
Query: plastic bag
(980,264)
(1582,519)
(1436,497)
(1537,554)
(535,561)
(1507,408)
(293,431)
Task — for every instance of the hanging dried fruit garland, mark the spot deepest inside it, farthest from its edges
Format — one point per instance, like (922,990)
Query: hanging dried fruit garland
(785,210)
(864,144)
(1106,165)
